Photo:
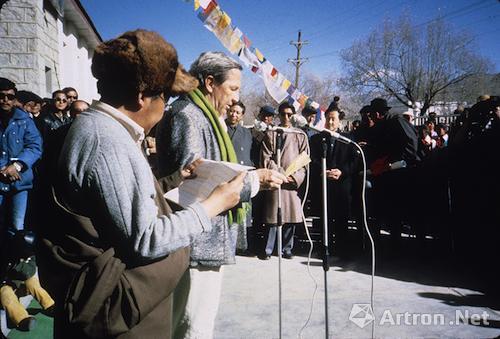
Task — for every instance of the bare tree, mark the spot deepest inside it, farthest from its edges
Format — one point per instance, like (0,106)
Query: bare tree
(410,63)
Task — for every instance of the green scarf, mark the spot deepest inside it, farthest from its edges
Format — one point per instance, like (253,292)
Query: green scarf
(226,146)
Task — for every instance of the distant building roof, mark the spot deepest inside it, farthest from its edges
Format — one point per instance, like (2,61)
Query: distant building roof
(74,12)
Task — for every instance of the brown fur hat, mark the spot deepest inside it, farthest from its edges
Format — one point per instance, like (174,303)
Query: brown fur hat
(139,61)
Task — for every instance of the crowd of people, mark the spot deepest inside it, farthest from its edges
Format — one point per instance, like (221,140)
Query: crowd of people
(115,259)
(28,122)
(408,189)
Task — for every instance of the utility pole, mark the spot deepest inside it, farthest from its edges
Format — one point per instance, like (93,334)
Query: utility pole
(298,61)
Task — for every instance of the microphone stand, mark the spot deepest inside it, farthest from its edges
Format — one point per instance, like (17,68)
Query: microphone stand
(326,266)
(279,222)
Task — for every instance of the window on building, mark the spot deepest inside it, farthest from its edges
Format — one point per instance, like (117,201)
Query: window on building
(48,80)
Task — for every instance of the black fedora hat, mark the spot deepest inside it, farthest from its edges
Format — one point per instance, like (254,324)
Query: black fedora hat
(379,105)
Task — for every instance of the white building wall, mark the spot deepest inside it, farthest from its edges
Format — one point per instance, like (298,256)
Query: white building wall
(76,60)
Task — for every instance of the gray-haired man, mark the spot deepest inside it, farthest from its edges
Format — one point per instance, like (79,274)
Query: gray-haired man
(195,126)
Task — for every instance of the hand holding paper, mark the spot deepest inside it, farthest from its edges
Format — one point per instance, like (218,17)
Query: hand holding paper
(302,160)
(206,176)
(270,179)
(224,196)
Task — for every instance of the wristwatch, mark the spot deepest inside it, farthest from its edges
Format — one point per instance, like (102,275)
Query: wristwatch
(18,166)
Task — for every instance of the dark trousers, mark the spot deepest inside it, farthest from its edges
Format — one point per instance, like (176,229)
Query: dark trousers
(288,233)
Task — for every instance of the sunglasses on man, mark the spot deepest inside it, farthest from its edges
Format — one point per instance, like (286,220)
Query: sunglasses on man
(61,99)
(7,96)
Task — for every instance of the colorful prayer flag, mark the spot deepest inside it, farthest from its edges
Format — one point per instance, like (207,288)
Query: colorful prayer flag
(247,41)
(204,3)
(231,37)
(286,83)
(259,55)
(212,19)
(224,21)
(248,58)
(302,100)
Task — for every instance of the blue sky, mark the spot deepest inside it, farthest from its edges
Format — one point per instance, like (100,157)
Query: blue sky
(328,25)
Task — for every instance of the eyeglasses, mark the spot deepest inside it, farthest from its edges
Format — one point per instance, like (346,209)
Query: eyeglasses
(7,96)
(61,99)
(72,97)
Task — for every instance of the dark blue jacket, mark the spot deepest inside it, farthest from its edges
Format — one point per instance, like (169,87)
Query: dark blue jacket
(20,142)
(242,142)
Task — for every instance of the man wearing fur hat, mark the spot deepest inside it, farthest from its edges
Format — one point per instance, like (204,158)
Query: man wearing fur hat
(113,250)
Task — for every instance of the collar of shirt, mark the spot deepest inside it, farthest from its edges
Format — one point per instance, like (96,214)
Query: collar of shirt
(133,128)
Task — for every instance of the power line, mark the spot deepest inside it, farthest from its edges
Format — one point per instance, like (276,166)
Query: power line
(458,12)
(363,19)
(324,54)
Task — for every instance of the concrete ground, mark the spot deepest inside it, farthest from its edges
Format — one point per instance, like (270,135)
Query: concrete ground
(430,297)
(413,298)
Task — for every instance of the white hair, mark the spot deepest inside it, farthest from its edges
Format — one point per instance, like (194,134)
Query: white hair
(216,64)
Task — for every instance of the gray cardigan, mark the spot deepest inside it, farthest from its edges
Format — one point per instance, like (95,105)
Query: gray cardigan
(101,167)
(185,134)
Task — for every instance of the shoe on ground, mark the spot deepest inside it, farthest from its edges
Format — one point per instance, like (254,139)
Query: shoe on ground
(49,312)
(245,253)
(288,255)
(27,324)
(264,256)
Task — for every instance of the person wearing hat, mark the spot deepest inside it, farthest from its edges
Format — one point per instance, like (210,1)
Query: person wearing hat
(267,114)
(112,251)
(32,104)
(310,114)
(265,118)
(394,139)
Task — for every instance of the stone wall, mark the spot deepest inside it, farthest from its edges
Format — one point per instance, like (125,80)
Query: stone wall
(18,28)
(41,51)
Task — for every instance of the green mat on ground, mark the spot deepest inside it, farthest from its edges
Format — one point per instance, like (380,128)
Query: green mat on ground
(43,328)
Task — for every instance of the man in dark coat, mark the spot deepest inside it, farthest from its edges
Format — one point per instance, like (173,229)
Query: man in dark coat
(240,136)
(242,140)
(394,139)
(341,167)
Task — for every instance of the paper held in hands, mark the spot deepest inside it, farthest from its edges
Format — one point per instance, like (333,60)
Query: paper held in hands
(302,160)
(209,174)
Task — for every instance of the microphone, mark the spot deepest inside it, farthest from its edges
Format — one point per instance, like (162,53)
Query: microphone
(263,127)
(260,126)
(301,122)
